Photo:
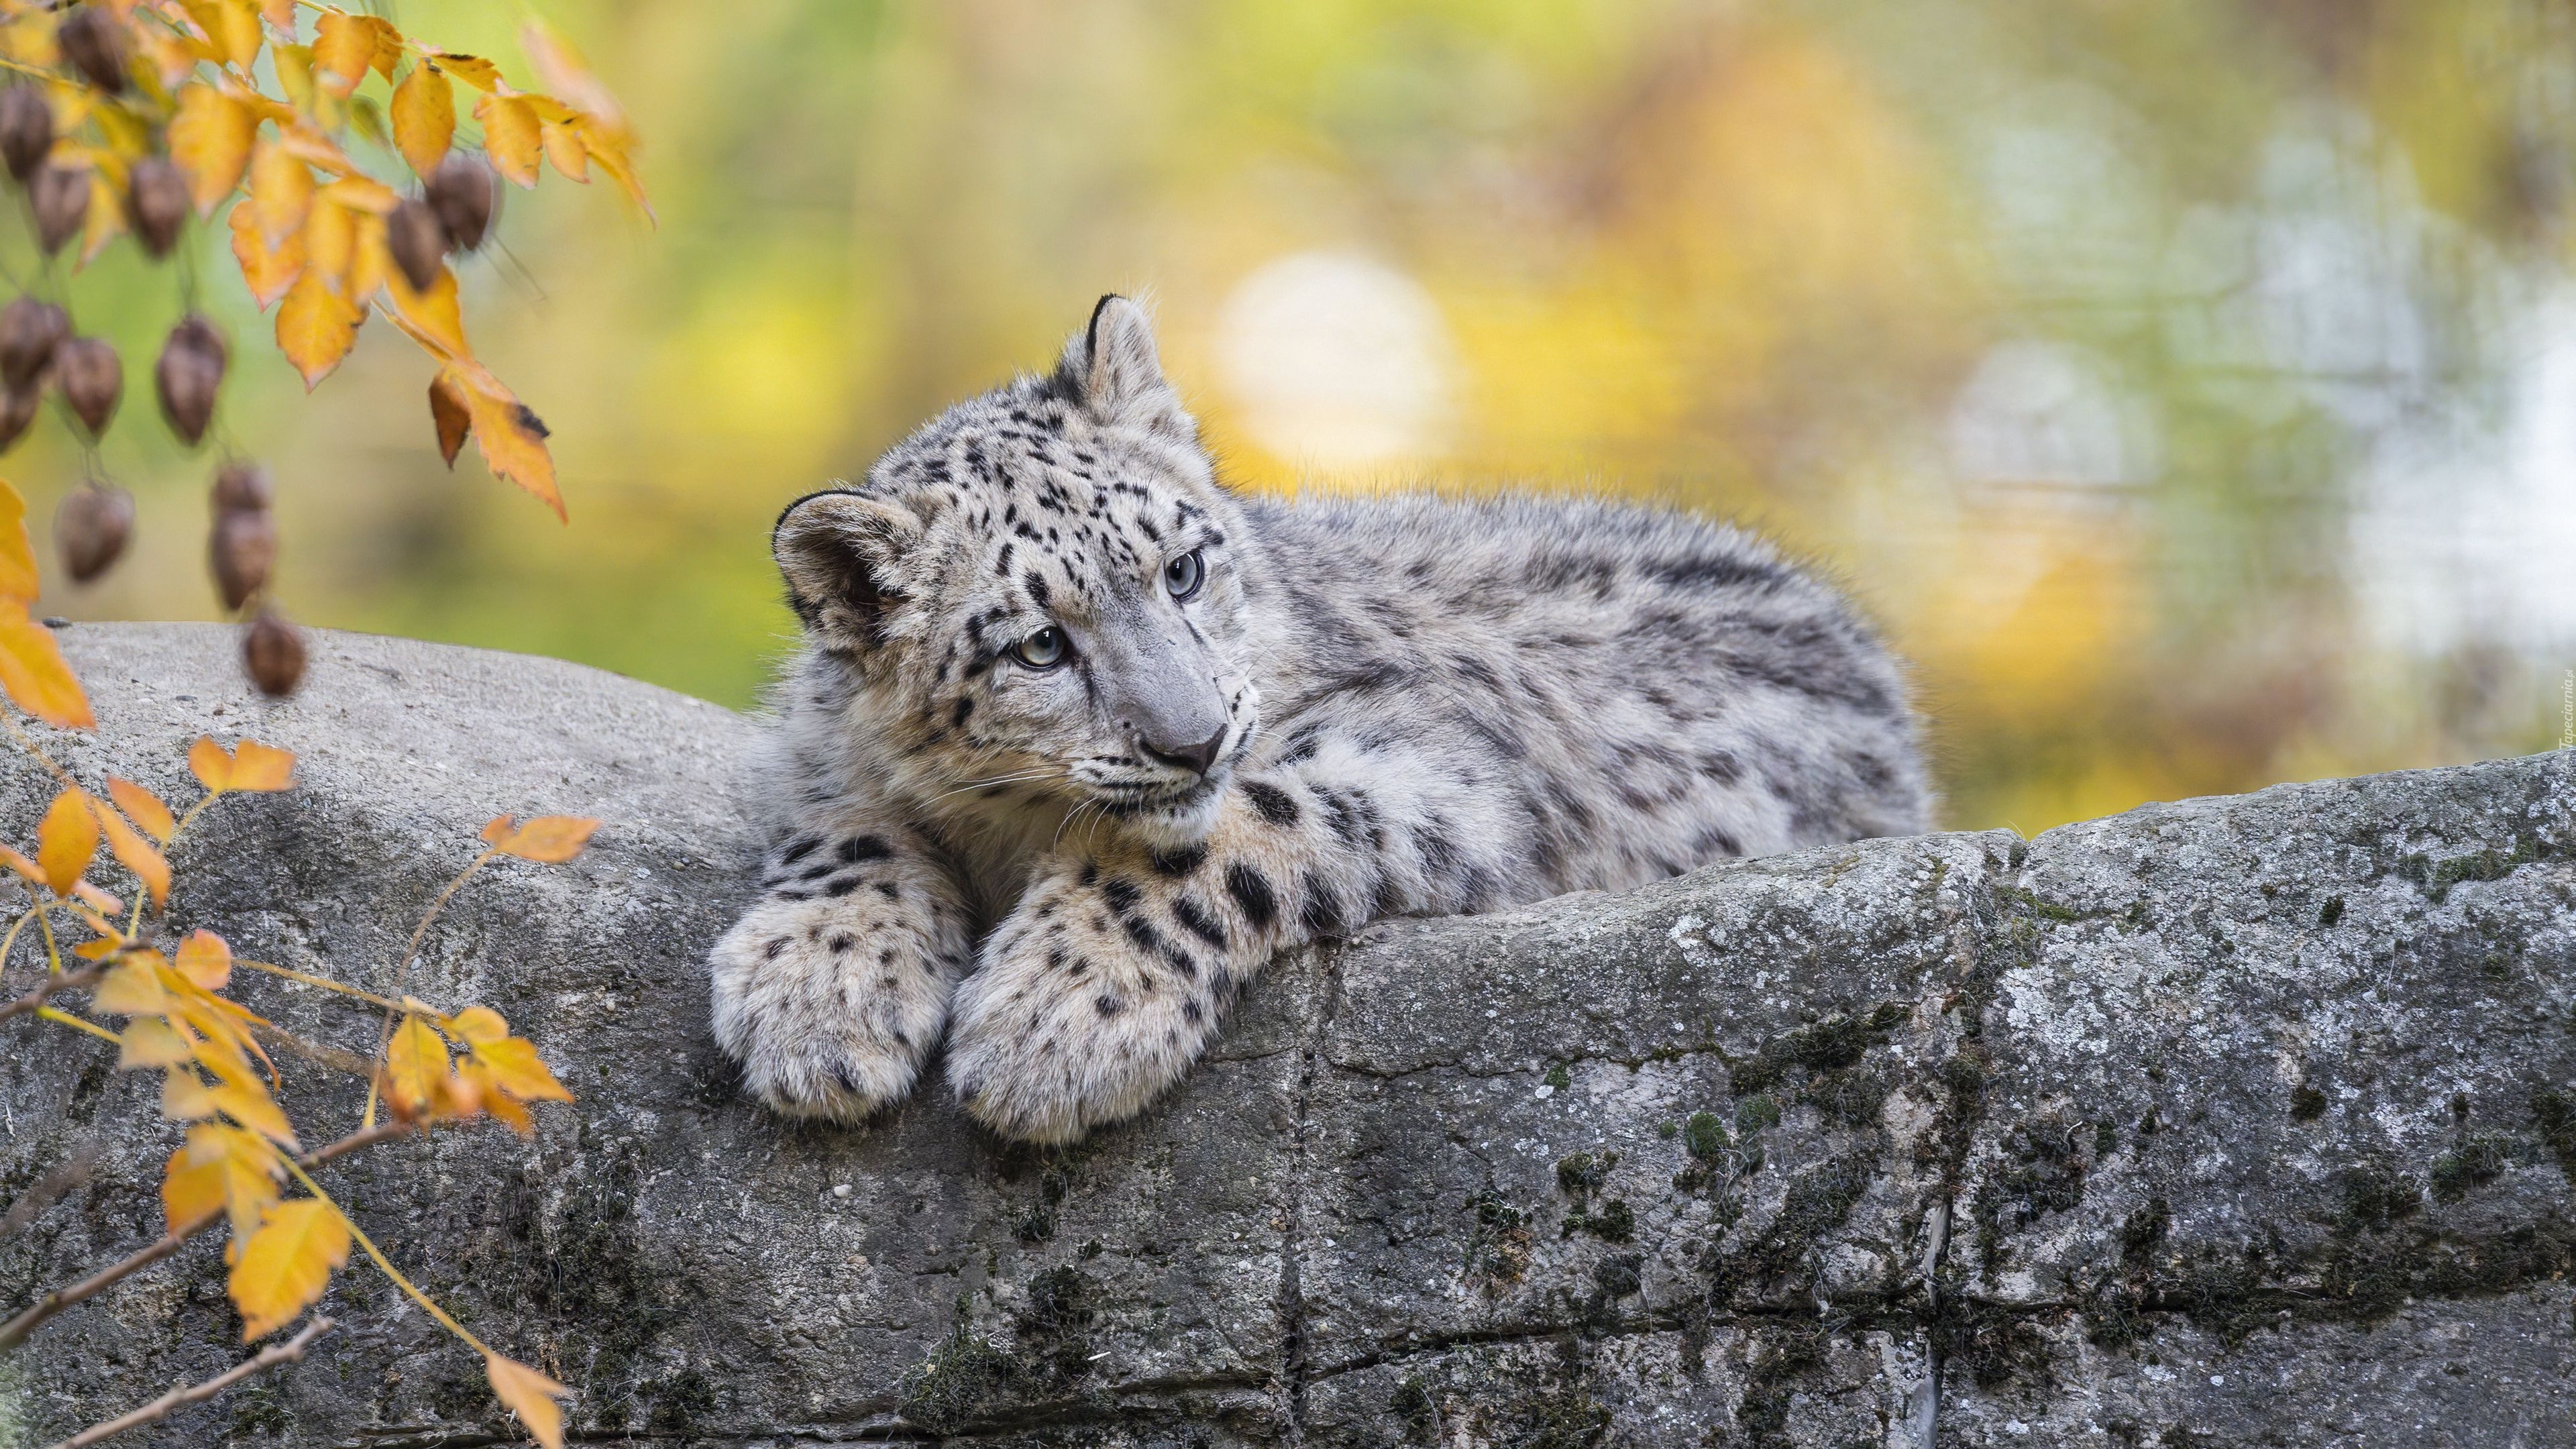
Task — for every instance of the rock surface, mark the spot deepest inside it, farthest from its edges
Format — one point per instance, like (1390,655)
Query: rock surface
(2246,1120)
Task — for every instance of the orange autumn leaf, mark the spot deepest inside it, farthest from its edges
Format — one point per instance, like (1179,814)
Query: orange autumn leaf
(143,808)
(564,151)
(424,117)
(433,313)
(17,861)
(610,152)
(515,1068)
(316,327)
(268,270)
(281,191)
(133,850)
(415,1067)
(253,766)
(476,1025)
(17,552)
(449,415)
(284,1266)
(512,440)
(511,137)
(474,70)
(210,140)
(151,1042)
(478,1079)
(34,673)
(344,49)
(530,1395)
(66,840)
(551,839)
(206,959)
(190,1190)
(132,987)
(97,900)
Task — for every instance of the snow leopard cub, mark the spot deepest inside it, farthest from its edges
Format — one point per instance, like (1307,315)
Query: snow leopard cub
(1080,739)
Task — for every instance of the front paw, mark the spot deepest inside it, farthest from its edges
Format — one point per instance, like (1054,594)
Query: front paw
(830,1011)
(1071,1021)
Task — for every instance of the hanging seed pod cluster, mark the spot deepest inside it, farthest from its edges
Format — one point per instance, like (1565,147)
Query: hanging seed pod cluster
(326,147)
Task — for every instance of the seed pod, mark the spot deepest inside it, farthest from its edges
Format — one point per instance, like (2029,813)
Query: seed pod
(17,410)
(417,239)
(244,550)
(92,380)
(242,488)
(92,40)
(29,332)
(273,652)
(460,191)
(61,197)
(91,527)
(26,130)
(190,369)
(156,202)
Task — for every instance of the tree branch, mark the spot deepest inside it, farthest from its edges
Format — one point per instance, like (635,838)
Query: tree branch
(15,1331)
(267,1358)
(60,981)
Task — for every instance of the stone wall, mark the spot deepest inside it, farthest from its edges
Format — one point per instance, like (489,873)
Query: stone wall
(2237,1121)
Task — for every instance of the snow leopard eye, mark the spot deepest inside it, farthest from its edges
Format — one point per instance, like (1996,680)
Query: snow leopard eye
(1044,649)
(1183,575)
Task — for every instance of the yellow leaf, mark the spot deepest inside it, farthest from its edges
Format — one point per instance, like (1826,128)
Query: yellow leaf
(211,763)
(562,71)
(285,1265)
(330,240)
(281,191)
(548,838)
(449,414)
(98,900)
(564,152)
(132,987)
(433,313)
(142,807)
(262,767)
(516,1069)
(190,1190)
(104,223)
(510,137)
(17,554)
(610,152)
(295,77)
(151,1042)
(236,33)
(474,70)
(344,48)
(424,116)
(185,1097)
(280,13)
(476,1025)
(66,839)
(210,139)
(136,853)
(267,270)
(35,675)
(477,1078)
(512,440)
(316,327)
(362,193)
(369,261)
(206,959)
(530,1395)
(26,869)
(253,1109)
(250,1171)
(415,1066)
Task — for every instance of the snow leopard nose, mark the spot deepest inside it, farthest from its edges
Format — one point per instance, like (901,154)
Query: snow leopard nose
(1198,758)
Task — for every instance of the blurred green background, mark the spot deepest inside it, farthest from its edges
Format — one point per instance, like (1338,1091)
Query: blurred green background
(2189,386)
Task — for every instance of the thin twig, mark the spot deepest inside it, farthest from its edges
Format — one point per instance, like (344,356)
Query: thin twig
(402,972)
(266,1359)
(15,1331)
(67,981)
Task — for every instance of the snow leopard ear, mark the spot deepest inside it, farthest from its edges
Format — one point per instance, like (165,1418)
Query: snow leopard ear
(837,550)
(1114,369)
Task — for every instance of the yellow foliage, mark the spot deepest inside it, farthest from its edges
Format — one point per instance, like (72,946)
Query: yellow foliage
(530,1395)
(549,838)
(424,117)
(210,139)
(285,1265)
(66,840)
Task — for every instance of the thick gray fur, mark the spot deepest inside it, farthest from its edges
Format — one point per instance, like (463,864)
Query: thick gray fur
(1409,706)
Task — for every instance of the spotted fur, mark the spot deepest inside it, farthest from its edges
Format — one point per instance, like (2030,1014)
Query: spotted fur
(1405,706)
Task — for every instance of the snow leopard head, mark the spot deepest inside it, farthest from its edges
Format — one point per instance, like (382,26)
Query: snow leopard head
(1040,595)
